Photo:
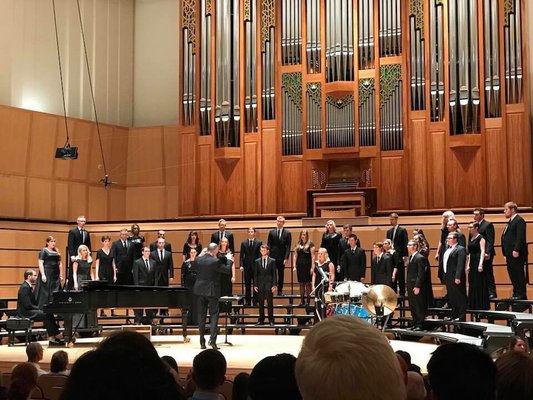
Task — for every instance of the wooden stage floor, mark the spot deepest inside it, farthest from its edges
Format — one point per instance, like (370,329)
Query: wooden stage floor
(246,351)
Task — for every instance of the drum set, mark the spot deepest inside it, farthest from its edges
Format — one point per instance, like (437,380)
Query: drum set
(374,304)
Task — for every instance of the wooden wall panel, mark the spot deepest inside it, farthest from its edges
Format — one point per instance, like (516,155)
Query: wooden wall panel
(464,185)
(117,203)
(118,162)
(13,194)
(204,192)
(61,201)
(190,174)
(15,126)
(293,189)
(228,187)
(39,198)
(145,202)
(418,155)
(97,203)
(252,178)
(82,135)
(437,166)
(270,181)
(172,195)
(171,155)
(145,157)
(393,188)
(77,200)
(496,167)
(95,168)
(519,159)
(42,145)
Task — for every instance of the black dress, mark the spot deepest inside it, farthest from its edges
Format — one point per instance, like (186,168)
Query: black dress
(430,300)
(303,263)
(330,241)
(83,273)
(105,268)
(135,248)
(44,291)
(226,286)
(187,249)
(478,289)
(188,278)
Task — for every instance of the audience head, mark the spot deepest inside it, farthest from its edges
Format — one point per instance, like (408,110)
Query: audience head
(273,378)
(23,381)
(416,390)
(209,370)
(360,361)
(171,362)
(34,351)
(517,344)
(59,361)
(515,376)
(241,387)
(461,371)
(128,368)
(405,355)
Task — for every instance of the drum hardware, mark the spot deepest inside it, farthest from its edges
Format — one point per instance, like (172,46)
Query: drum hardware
(381,301)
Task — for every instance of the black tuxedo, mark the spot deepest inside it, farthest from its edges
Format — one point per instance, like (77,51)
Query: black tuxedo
(153,246)
(248,255)
(455,269)
(27,308)
(265,278)
(75,240)
(382,270)
(216,237)
(354,264)
(280,249)
(416,275)
(122,262)
(164,268)
(486,229)
(514,239)
(143,277)
(399,241)
(207,287)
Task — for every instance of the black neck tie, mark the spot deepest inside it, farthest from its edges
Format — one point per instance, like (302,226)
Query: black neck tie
(124,243)
(82,235)
(264,263)
(147,265)
(251,243)
(160,255)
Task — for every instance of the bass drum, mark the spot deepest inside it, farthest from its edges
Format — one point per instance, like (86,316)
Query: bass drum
(354,310)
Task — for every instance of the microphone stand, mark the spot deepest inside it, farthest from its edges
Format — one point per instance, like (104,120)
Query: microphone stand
(319,298)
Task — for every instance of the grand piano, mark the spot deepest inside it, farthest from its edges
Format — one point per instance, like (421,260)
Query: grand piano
(100,294)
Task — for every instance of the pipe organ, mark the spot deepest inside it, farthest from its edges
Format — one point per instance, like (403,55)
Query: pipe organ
(288,89)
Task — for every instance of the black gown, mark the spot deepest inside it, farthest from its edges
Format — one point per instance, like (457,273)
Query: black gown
(330,241)
(430,299)
(83,273)
(105,269)
(44,291)
(188,278)
(303,263)
(226,286)
(478,289)
(187,249)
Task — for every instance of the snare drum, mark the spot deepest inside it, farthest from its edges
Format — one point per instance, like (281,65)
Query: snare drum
(334,297)
(354,288)
(354,310)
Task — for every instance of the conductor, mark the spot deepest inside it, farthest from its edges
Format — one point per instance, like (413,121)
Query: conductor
(209,268)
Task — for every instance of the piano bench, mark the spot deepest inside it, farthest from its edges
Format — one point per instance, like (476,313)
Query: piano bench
(14,324)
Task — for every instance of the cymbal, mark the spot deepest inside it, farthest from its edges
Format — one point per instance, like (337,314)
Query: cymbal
(380,297)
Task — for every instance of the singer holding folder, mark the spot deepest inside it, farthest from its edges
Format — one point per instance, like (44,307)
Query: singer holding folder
(325,270)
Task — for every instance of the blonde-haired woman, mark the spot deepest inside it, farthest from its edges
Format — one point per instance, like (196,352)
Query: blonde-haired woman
(303,261)
(81,268)
(330,241)
(50,272)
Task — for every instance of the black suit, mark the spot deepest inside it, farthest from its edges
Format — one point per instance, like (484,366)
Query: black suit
(280,249)
(486,229)
(514,239)
(455,269)
(153,246)
(382,270)
(122,262)
(248,255)
(207,288)
(265,278)
(143,277)
(399,240)
(416,273)
(164,268)
(27,308)
(217,237)
(354,264)
(75,239)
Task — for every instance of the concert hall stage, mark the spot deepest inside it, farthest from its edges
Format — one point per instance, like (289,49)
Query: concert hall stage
(246,351)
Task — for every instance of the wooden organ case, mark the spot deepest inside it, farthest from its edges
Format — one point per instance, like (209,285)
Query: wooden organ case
(424,100)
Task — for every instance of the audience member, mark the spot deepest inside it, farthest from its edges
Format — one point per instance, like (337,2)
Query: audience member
(461,371)
(515,376)
(34,351)
(171,362)
(517,344)
(59,363)
(23,381)
(208,373)
(360,361)
(273,378)
(124,366)
(241,386)
(415,386)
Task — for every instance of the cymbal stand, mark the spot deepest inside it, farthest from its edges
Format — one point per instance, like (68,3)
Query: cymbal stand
(319,299)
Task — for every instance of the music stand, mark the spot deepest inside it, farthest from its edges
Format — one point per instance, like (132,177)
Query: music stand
(228,300)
